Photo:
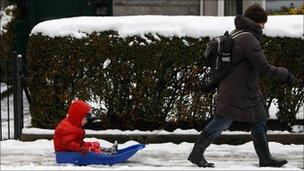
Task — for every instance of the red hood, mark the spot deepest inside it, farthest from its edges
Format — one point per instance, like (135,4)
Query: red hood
(78,109)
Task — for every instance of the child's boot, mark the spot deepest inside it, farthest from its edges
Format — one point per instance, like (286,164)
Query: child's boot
(112,150)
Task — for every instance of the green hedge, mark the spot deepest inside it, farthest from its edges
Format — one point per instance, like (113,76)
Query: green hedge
(285,52)
(144,82)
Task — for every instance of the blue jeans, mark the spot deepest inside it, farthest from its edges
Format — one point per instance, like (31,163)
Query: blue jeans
(219,123)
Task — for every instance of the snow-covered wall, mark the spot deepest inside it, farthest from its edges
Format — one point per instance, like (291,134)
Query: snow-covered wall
(168,26)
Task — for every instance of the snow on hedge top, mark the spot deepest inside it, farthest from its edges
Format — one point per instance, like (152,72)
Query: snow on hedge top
(6,17)
(168,26)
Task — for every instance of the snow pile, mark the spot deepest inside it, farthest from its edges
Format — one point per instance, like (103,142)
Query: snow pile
(6,18)
(168,26)
(39,155)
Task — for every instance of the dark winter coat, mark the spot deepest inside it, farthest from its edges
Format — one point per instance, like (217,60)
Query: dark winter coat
(239,97)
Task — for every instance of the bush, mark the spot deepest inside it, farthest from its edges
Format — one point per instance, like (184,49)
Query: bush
(141,80)
(287,11)
(6,42)
(284,52)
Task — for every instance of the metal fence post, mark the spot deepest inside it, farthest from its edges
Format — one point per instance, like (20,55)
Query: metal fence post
(18,95)
(0,104)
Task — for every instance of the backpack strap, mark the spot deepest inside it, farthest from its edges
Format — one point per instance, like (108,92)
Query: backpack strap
(234,34)
(237,33)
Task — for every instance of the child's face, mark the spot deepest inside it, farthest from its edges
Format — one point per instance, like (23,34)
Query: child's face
(83,121)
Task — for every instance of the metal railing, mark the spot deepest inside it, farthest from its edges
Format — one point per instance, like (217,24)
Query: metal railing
(11,98)
(5,91)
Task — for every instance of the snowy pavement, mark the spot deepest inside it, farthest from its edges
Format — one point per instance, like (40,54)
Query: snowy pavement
(38,155)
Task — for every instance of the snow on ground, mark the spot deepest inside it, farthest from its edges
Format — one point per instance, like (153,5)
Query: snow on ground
(38,155)
(168,26)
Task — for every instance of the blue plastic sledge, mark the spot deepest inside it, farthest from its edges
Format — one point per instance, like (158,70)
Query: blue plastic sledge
(94,158)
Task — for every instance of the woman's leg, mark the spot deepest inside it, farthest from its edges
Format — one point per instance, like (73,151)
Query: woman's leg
(261,147)
(211,131)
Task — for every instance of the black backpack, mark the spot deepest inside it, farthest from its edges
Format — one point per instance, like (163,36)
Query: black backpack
(218,54)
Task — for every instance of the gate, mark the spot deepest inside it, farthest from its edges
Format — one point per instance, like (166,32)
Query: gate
(11,98)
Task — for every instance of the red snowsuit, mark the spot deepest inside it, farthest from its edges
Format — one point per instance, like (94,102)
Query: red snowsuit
(69,134)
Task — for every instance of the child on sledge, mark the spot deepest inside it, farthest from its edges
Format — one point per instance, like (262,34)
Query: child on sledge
(69,133)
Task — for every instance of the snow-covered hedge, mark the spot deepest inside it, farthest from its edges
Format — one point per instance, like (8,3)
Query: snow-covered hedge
(138,67)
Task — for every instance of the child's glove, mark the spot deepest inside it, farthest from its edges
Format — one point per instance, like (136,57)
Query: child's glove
(84,150)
